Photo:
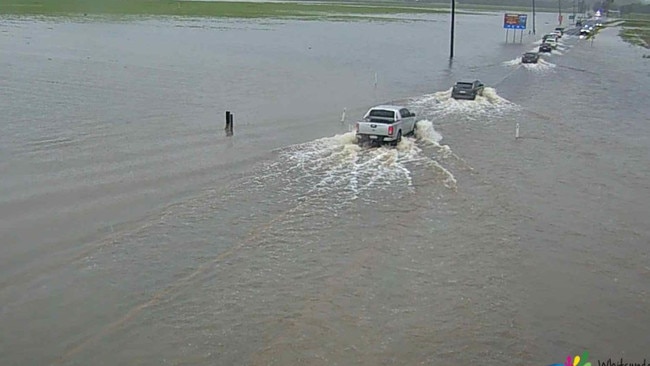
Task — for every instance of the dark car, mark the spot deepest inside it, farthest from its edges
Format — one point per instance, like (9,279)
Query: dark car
(530,58)
(467,89)
(545,47)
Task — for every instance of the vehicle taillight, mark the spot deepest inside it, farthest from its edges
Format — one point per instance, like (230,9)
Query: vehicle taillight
(390,130)
(357,127)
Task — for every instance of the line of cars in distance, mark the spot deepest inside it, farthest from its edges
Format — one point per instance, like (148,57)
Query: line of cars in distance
(550,40)
(589,26)
(549,43)
(388,123)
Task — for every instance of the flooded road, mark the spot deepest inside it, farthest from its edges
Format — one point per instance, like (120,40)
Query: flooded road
(133,231)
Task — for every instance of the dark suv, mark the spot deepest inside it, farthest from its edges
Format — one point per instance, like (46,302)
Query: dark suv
(545,47)
(530,58)
(467,89)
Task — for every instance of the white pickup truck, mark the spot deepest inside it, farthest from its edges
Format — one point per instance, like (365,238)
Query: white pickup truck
(385,123)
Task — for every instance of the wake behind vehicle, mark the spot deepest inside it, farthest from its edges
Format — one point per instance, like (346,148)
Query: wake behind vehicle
(385,123)
(530,58)
(467,89)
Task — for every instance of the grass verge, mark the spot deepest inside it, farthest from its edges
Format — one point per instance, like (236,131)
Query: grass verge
(636,29)
(242,9)
(213,8)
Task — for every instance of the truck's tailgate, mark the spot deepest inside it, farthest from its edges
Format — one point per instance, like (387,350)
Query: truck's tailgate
(373,128)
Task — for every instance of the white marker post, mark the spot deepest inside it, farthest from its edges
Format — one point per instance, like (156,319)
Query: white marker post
(343,116)
(517,130)
(375,89)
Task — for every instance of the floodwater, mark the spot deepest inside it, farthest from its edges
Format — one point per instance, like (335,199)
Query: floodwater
(133,231)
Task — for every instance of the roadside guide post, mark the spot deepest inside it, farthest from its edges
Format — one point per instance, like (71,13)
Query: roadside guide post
(229,123)
(375,87)
(517,130)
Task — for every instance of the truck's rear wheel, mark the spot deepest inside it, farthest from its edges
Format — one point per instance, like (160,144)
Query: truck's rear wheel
(398,139)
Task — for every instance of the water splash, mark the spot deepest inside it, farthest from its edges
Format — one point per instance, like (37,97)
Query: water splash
(334,171)
(426,132)
(442,104)
(514,62)
(541,66)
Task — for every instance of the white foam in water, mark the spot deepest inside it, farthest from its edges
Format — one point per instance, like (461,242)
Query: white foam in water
(449,180)
(336,170)
(442,104)
(513,62)
(541,66)
(338,166)
(426,132)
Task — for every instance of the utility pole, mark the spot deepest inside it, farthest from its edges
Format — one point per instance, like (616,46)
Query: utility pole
(559,11)
(533,16)
(453,16)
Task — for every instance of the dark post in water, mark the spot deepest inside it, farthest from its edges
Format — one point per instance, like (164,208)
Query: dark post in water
(229,123)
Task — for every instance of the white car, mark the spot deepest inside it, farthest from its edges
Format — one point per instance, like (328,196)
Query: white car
(385,123)
(552,42)
(550,35)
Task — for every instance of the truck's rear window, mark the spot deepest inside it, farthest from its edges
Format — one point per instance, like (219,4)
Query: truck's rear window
(381,113)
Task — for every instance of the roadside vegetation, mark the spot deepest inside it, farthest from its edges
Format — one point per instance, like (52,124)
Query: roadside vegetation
(214,8)
(636,29)
(244,9)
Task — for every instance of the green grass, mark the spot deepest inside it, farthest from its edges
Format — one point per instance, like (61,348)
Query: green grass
(209,9)
(636,29)
(500,8)
(335,10)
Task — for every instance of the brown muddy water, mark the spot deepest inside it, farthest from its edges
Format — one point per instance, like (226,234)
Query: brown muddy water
(133,231)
